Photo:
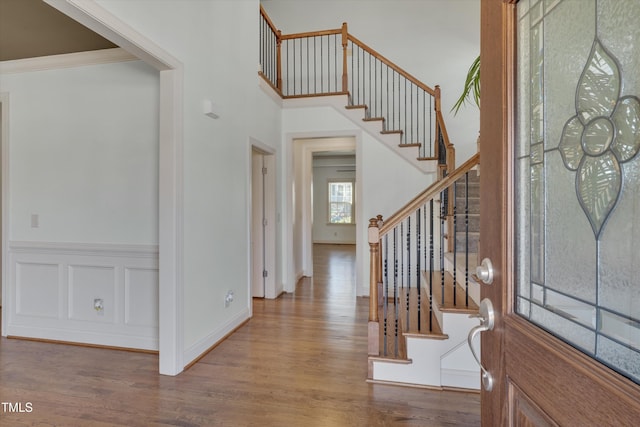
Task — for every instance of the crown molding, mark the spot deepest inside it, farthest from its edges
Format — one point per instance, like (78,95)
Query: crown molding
(67,60)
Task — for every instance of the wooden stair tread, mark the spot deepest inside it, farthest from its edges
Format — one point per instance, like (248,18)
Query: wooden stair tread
(449,306)
(429,327)
(387,132)
(373,119)
(427,158)
(355,107)
(413,144)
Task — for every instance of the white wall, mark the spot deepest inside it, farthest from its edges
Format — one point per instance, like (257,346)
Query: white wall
(325,170)
(434,40)
(82,152)
(216,41)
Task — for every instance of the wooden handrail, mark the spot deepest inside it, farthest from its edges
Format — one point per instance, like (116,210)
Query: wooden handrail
(428,194)
(311,34)
(400,71)
(266,18)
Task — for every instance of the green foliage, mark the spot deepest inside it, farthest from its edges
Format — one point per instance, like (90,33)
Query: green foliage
(471,87)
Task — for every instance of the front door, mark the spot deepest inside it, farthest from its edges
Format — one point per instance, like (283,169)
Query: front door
(560,136)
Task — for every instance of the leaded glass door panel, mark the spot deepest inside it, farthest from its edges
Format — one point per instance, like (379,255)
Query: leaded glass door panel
(560,136)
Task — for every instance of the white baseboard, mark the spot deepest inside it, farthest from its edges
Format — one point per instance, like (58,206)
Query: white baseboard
(202,346)
(53,288)
(458,378)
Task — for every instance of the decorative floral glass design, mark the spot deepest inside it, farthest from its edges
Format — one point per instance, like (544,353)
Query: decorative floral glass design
(604,133)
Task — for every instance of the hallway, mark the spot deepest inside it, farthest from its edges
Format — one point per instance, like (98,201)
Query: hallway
(300,361)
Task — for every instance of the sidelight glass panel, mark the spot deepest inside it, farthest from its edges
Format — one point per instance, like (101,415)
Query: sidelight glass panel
(577,175)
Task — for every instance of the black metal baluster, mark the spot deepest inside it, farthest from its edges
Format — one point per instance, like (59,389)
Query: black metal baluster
(321,59)
(424,124)
(328,63)
(443,211)
(370,102)
(335,62)
(391,98)
(351,89)
(408,288)
(418,269)
(431,260)
(405,112)
(466,239)
(399,105)
(455,242)
(424,251)
(363,79)
(411,119)
(308,73)
(387,82)
(401,255)
(385,305)
(395,288)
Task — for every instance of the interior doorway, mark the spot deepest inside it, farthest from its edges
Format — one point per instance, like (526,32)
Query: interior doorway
(302,197)
(263,224)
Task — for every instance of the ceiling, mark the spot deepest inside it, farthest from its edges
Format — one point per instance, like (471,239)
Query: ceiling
(32,28)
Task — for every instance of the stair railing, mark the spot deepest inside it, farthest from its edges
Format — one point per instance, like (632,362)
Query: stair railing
(270,52)
(407,262)
(334,62)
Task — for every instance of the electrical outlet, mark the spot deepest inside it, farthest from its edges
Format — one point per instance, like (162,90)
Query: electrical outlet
(228,299)
(98,306)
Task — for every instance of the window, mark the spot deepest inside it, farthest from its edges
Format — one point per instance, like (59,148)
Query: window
(341,202)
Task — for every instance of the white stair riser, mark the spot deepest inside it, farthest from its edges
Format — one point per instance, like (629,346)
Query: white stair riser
(436,363)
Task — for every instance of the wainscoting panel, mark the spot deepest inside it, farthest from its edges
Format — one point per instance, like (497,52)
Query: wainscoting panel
(139,285)
(104,294)
(90,286)
(38,290)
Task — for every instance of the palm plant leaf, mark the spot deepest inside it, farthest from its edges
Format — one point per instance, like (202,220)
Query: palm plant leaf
(471,87)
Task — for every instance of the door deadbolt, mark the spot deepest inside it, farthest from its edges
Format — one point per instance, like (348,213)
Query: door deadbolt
(484,271)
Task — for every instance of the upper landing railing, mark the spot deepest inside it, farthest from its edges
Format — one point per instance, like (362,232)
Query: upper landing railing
(333,62)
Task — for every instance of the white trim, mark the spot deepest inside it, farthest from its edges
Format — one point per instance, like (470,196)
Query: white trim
(69,318)
(460,378)
(202,346)
(170,185)
(90,249)
(99,20)
(290,276)
(68,60)
(4,214)
(270,154)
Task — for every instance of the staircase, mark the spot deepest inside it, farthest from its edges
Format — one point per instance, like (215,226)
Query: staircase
(333,67)
(423,259)
(421,289)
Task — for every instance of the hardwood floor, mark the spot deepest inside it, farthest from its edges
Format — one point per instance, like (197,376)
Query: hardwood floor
(300,361)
